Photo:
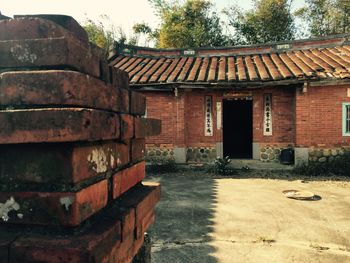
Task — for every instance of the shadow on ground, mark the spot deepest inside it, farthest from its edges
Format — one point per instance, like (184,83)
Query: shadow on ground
(246,218)
(182,229)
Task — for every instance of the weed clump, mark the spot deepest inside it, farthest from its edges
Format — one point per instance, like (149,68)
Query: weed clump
(221,167)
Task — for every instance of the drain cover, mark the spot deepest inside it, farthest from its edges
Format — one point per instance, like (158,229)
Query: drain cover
(299,194)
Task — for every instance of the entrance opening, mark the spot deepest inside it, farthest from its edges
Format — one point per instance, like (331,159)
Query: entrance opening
(238,128)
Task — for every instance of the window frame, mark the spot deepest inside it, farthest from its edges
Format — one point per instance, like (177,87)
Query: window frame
(344,115)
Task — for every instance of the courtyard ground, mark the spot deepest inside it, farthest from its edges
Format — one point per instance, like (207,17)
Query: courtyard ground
(202,218)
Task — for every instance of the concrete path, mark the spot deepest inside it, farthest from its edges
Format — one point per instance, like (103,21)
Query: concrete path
(204,219)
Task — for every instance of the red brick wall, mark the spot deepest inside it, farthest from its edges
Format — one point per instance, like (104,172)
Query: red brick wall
(170,110)
(195,119)
(283,115)
(182,118)
(319,116)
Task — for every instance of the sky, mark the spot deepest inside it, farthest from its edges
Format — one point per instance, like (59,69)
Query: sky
(123,13)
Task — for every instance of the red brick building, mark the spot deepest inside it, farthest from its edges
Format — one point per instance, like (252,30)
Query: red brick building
(245,102)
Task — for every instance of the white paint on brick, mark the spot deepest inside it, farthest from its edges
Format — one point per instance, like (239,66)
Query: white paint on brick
(23,54)
(7,207)
(67,201)
(99,160)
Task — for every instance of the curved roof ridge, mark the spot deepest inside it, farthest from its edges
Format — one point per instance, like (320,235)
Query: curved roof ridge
(256,49)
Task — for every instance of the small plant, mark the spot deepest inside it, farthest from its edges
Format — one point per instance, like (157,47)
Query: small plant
(161,166)
(221,166)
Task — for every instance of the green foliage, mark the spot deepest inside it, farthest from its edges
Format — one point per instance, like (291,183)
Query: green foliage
(103,33)
(143,30)
(188,25)
(326,17)
(269,20)
(162,166)
(339,167)
(221,166)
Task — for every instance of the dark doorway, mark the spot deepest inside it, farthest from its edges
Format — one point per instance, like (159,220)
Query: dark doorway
(238,128)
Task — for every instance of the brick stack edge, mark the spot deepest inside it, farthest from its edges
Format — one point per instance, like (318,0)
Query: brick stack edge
(72,148)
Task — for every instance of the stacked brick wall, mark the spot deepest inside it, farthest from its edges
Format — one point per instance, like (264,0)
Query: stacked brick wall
(72,144)
(283,116)
(319,116)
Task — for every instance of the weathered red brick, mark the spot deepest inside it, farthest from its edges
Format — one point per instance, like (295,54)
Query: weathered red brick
(119,78)
(123,100)
(127,219)
(137,149)
(34,27)
(104,70)
(93,245)
(59,163)
(138,244)
(127,178)
(147,127)
(138,103)
(57,87)
(123,150)
(147,221)
(124,253)
(57,125)
(67,22)
(56,208)
(143,199)
(53,53)
(6,240)
(127,126)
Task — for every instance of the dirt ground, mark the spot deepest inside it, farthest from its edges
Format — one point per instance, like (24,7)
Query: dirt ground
(202,218)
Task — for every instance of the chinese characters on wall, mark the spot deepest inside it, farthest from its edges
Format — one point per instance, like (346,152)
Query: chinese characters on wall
(208,125)
(267,114)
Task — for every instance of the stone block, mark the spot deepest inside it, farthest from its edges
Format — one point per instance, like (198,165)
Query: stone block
(94,244)
(119,78)
(56,164)
(138,103)
(127,178)
(57,125)
(126,126)
(301,156)
(6,239)
(67,22)
(39,26)
(50,53)
(147,127)
(58,87)
(137,149)
(55,208)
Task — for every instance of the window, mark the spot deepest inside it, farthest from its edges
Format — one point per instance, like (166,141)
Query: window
(346,119)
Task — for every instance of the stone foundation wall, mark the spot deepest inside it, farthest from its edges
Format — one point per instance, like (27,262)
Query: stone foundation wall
(326,154)
(271,153)
(201,154)
(159,154)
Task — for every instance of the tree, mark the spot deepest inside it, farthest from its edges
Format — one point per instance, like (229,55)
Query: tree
(187,25)
(103,33)
(268,20)
(142,30)
(326,17)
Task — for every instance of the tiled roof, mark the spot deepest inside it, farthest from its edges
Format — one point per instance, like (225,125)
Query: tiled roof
(298,61)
